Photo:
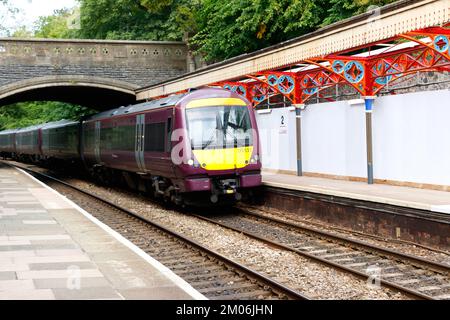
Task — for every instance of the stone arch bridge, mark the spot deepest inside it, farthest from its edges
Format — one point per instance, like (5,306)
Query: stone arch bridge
(99,74)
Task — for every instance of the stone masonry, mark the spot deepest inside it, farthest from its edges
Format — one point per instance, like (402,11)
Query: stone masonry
(124,64)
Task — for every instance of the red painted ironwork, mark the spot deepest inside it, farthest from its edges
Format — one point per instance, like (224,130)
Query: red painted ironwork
(368,70)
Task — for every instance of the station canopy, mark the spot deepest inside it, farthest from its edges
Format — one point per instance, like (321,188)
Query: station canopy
(366,53)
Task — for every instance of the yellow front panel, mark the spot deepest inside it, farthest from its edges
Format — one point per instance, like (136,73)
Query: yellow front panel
(211,102)
(224,159)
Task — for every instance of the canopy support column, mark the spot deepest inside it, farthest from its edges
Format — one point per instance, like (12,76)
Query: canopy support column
(298,118)
(369,144)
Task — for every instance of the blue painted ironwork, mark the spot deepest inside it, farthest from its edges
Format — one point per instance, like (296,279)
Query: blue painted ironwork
(354,71)
(286,84)
(441,43)
(338,66)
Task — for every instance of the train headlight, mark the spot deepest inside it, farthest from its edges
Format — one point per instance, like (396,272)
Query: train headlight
(254,159)
(190,162)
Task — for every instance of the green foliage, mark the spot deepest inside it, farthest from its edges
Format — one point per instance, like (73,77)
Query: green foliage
(229,28)
(55,26)
(133,20)
(22,32)
(219,29)
(343,9)
(179,13)
(25,114)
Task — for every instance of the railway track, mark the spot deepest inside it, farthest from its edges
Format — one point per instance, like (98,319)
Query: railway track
(414,276)
(411,275)
(212,274)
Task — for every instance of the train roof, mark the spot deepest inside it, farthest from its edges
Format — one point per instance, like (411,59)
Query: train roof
(30,128)
(48,125)
(150,105)
(58,124)
(9,131)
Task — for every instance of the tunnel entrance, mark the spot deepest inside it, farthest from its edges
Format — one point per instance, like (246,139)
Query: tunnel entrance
(96,98)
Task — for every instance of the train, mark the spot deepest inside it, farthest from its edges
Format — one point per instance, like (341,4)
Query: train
(200,147)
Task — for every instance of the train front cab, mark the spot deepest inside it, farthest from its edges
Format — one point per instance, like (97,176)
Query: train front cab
(222,145)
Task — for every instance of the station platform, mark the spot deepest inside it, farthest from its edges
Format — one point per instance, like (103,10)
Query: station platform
(52,249)
(424,199)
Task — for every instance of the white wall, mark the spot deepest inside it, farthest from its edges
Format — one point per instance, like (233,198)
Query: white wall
(411,136)
(278,140)
(333,137)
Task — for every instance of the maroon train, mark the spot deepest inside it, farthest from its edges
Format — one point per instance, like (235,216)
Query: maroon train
(194,148)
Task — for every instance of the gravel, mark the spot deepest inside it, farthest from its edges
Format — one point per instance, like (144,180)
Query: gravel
(312,279)
(398,245)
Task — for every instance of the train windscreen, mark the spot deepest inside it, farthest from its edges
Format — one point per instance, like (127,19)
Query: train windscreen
(219,127)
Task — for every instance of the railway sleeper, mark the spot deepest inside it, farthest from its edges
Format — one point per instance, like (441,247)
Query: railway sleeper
(216,274)
(171,259)
(237,287)
(195,267)
(200,271)
(219,282)
(260,294)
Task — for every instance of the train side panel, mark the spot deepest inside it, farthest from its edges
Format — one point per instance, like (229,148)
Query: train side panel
(61,142)
(7,142)
(117,143)
(28,142)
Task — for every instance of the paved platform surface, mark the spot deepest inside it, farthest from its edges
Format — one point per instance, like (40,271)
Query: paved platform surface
(437,201)
(50,249)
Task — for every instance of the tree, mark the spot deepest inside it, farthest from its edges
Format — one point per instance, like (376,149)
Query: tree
(343,9)
(230,28)
(25,114)
(6,10)
(130,20)
(22,32)
(179,13)
(56,25)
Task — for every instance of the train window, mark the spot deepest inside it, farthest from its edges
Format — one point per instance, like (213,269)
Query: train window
(106,138)
(219,127)
(155,137)
(119,138)
(124,137)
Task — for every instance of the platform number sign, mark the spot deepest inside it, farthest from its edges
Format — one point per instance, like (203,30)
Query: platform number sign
(283,129)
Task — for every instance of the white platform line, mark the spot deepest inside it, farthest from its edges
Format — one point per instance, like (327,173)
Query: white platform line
(181,283)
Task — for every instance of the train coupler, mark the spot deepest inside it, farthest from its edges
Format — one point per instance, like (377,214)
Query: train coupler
(225,187)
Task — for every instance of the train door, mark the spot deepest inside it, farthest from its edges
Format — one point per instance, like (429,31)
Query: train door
(157,149)
(140,139)
(97,142)
(168,151)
